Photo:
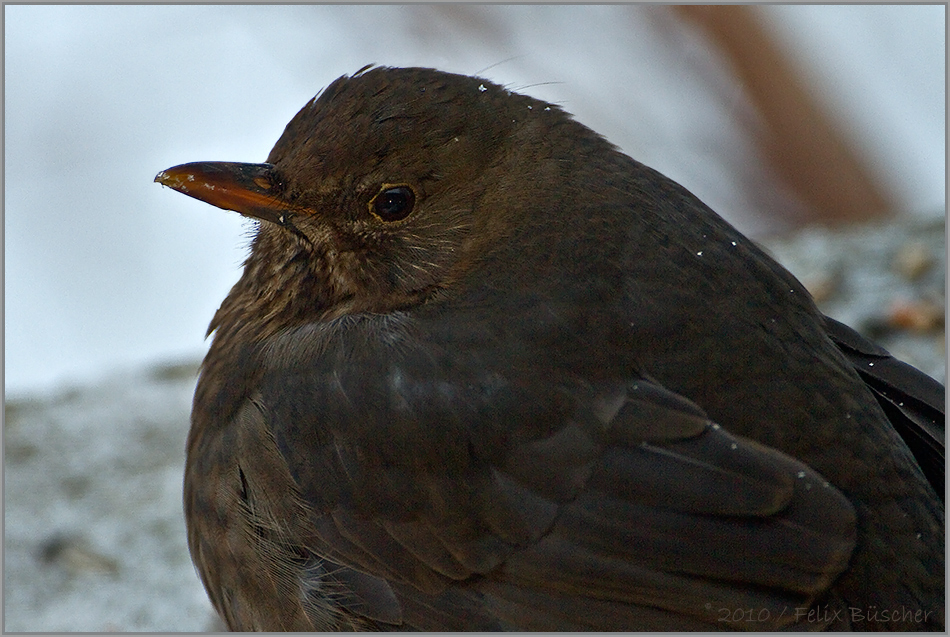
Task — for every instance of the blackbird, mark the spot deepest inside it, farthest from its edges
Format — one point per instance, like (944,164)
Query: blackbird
(484,371)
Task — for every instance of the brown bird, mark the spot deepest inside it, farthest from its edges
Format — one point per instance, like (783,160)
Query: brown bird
(484,371)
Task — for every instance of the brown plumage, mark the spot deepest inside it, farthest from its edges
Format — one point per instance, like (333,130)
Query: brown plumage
(484,371)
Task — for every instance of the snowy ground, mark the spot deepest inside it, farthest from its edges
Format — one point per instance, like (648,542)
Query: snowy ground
(94,533)
(94,536)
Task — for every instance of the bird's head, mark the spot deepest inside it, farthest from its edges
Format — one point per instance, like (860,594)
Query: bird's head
(381,192)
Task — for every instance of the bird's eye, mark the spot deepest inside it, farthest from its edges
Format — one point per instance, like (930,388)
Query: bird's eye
(393,203)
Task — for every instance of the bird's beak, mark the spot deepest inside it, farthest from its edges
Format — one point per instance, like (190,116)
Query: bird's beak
(246,188)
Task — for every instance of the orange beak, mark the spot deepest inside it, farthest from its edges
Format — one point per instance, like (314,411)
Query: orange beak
(250,189)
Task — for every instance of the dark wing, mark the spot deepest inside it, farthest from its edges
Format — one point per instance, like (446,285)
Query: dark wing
(914,402)
(546,502)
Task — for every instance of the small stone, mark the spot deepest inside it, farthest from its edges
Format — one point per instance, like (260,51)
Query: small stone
(913,260)
(76,556)
(917,316)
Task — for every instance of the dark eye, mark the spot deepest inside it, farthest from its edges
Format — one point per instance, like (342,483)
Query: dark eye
(393,203)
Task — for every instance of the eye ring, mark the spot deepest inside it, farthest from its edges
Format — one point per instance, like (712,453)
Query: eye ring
(393,202)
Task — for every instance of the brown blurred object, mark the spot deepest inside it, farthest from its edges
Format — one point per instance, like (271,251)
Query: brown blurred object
(913,260)
(920,316)
(804,147)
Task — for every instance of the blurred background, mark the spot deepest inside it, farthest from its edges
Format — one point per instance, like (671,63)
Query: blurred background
(819,130)
(103,268)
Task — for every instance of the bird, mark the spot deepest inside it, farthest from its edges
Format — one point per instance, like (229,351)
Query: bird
(484,371)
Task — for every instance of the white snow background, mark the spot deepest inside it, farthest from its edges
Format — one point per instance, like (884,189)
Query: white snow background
(104,268)
(111,280)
